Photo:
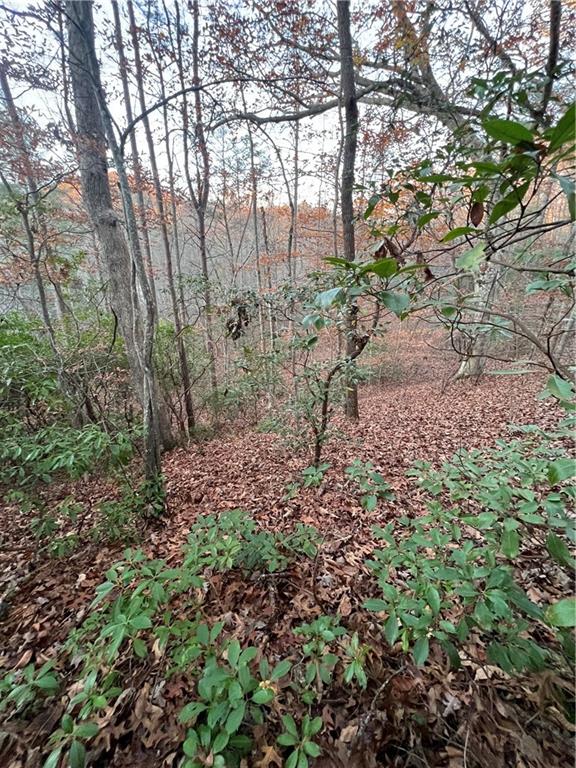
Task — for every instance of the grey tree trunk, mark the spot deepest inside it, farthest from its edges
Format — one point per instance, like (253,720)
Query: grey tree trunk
(348,89)
(128,282)
(136,169)
(199,194)
(182,356)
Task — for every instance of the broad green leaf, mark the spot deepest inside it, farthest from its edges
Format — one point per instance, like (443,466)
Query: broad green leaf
(290,724)
(220,742)
(383,268)
(561,469)
(565,129)
(471,260)
(87,730)
(560,388)
(263,696)
(391,629)
(559,550)
(459,232)
(510,543)
(190,711)
(281,669)
(508,203)
(233,653)
(327,298)
(372,203)
(421,650)
(507,131)
(433,598)
(376,604)
(562,613)
(427,217)
(234,720)
(53,758)
(190,745)
(369,502)
(394,301)
(141,622)
(77,755)
(287,739)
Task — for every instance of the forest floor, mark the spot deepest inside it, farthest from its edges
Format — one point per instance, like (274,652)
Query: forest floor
(408,716)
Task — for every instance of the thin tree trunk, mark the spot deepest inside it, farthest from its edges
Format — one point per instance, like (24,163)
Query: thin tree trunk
(136,168)
(199,196)
(181,349)
(127,274)
(347,187)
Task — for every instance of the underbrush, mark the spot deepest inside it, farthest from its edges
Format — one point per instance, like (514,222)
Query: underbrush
(481,583)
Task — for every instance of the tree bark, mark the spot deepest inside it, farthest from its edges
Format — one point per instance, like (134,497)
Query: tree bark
(200,194)
(136,168)
(348,90)
(181,349)
(125,265)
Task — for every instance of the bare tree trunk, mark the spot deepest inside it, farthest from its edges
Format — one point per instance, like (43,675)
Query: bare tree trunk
(127,274)
(136,168)
(182,356)
(254,206)
(347,187)
(474,362)
(271,318)
(199,196)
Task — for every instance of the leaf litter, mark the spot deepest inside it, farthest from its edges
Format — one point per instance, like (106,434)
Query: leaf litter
(407,716)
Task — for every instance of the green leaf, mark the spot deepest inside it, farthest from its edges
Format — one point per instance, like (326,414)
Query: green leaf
(67,723)
(483,615)
(565,129)
(394,301)
(326,299)
(140,648)
(508,203)
(510,543)
(375,604)
(372,203)
(507,131)
(391,629)
(561,469)
(421,650)
(47,683)
(190,711)
(559,388)
(340,262)
(287,739)
(562,613)
(292,760)
(312,749)
(87,730)
(141,622)
(559,550)
(290,724)
(233,653)
(263,696)
(53,758)
(281,669)
(369,502)
(383,268)
(433,598)
(190,745)
(235,718)
(426,218)
(77,755)
(220,742)
(471,260)
(458,232)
